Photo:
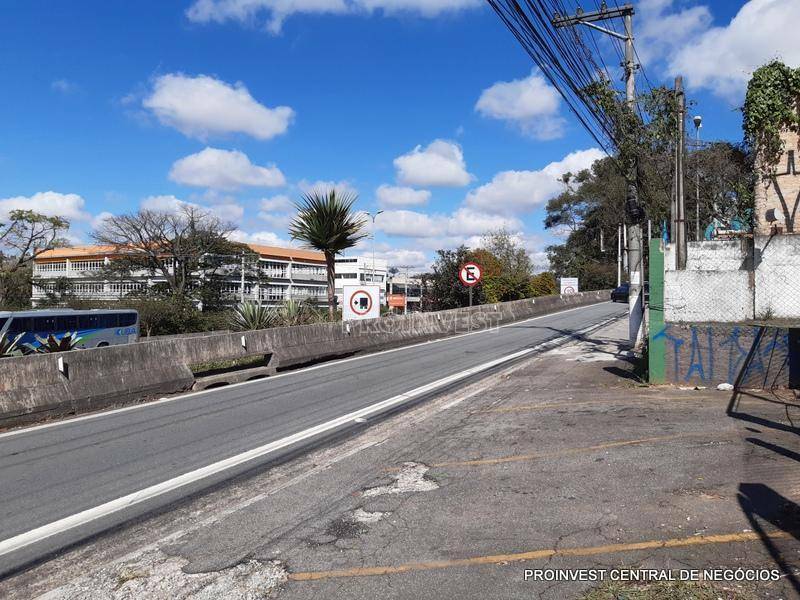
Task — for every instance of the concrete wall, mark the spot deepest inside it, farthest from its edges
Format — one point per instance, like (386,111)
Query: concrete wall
(777,277)
(744,355)
(719,255)
(32,387)
(700,296)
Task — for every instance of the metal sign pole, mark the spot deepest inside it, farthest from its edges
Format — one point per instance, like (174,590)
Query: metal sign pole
(470,297)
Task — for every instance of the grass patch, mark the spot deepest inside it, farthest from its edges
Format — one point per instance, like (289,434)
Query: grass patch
(669,590)
(248,362)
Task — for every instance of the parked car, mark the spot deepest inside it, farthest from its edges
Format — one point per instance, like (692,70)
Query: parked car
(620,294)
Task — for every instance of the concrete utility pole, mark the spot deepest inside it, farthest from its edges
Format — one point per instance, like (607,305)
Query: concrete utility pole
(680,194)
(698,123)
(632,208)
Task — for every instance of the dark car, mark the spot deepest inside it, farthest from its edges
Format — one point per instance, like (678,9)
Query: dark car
(620,294)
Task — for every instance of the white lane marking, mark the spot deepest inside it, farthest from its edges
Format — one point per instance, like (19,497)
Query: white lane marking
(39,534)
(326,364)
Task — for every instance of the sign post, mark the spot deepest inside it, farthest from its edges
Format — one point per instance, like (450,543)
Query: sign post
(397,300)
(470,275)
(361,302)
(569,285)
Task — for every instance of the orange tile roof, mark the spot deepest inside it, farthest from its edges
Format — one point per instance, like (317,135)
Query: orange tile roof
(100,251)
(293,253)
(75,252)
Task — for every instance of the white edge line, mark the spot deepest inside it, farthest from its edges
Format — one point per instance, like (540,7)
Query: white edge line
(329,363)
(39,534)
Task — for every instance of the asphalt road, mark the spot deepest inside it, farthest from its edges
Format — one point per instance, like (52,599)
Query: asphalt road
(54,472)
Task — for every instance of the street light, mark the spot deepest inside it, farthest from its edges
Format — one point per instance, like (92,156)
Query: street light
(698,123)
(373,216)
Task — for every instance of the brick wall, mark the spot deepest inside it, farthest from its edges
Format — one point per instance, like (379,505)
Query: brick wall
(781,191)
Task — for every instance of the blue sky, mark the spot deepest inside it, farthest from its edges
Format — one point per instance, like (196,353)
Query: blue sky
(427,109)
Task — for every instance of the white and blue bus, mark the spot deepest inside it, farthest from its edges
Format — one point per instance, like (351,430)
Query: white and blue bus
(96,328)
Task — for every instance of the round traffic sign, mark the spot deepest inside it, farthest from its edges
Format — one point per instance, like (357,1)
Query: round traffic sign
(361,302)
(568,290)
(470,274)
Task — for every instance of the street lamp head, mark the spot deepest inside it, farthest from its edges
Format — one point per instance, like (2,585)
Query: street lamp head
(698,121)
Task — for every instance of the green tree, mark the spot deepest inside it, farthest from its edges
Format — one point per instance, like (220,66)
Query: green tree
(24,235)
(507,268)
(188,249)
(441,287)
(544,284)
(326,222)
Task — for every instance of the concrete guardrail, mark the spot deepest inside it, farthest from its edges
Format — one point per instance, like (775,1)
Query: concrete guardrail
(38,387)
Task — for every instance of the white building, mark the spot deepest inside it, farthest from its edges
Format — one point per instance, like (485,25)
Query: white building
(289,273)
(355,270)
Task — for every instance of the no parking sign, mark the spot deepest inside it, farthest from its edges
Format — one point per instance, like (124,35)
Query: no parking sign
(361,302)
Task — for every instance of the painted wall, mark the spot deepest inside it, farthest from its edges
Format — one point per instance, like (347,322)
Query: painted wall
(747,356)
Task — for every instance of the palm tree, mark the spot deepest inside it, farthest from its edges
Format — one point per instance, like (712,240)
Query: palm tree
(326,222)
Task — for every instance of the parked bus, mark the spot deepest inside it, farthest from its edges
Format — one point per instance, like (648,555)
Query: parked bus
(95,328)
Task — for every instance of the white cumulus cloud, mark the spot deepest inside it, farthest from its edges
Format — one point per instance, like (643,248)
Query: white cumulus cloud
(277,211)
(51,204)
(281,203)
(322,186)
(513,192)
(224,170)
(721,59)
(265,238)
(392,196)
(461,224)
(531,104)
(275,12)
(203,106)
(228,212)
(441,163)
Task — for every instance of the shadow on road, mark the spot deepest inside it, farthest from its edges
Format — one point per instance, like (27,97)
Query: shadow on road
(760,503)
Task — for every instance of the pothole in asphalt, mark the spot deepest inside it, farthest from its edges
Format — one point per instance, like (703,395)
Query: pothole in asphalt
(410,478)
(154,575)
(344,527)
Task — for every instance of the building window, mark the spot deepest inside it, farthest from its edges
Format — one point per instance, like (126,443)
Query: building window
(273,293)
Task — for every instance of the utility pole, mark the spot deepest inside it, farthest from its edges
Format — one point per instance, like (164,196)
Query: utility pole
(680,196)
(633,210)
(619,255)
(698,123)
(405,304)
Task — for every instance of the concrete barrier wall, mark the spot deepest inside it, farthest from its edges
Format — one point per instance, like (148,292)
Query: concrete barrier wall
(33,388)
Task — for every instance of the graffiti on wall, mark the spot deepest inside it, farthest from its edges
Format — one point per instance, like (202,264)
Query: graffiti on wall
(711,354)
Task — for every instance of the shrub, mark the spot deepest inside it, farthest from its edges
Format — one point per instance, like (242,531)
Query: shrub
(249,316)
